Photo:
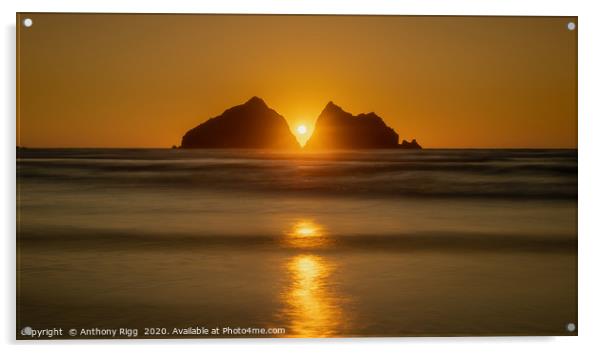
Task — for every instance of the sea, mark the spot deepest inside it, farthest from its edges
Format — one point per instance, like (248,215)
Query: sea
(252,243)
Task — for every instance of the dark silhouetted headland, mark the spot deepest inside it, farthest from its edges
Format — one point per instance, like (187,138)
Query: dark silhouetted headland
(338,129)
(250,125)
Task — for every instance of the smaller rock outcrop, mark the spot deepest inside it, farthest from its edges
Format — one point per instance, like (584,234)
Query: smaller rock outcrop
(410,145)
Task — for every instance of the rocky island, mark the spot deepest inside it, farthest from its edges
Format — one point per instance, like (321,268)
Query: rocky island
(338,129)
(249,125)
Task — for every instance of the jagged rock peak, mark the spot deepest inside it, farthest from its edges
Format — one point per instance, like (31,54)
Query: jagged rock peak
(250,125)
(255,101)
(331,107)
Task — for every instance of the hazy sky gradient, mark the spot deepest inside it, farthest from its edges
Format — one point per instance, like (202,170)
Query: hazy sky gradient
(144,80)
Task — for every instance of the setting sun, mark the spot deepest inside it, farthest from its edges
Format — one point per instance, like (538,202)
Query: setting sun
(301,129)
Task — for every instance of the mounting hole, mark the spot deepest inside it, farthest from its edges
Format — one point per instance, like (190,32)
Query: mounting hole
(28,22)
(571,26)
(571,327)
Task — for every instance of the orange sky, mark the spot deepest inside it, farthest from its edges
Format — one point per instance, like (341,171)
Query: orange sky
(144,80)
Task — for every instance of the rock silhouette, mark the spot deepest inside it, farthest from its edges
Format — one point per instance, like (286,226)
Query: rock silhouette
(410,145)
(338,129)
(249,125)
(254,125)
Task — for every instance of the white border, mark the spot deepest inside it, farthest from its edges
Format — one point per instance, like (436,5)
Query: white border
(590,113)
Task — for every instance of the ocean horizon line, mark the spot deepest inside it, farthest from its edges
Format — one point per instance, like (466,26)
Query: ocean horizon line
(301,150)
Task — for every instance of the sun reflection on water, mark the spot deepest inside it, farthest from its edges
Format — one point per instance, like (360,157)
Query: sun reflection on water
(306,234)
(312,306)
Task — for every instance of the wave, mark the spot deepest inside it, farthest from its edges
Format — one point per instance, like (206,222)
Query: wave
(538,174)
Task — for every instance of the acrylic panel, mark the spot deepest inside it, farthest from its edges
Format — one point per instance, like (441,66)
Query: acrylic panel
(236,176)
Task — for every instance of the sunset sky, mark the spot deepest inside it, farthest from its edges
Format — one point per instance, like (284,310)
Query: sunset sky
(144,80)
